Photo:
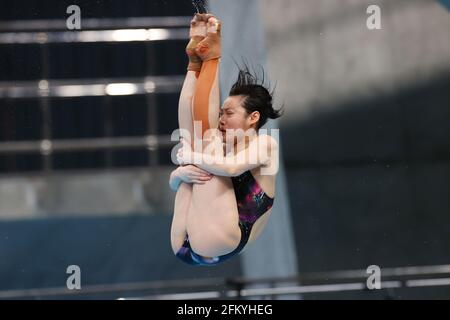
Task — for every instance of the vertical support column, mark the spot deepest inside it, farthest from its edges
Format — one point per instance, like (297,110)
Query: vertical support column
(108,128)
(152,112)
(48,197)
(44,103)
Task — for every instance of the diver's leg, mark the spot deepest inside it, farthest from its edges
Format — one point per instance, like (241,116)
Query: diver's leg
(197,34)
(206,103)
(213,225)
(185,122)
(181,208)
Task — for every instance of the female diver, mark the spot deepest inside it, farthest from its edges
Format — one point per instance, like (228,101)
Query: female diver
(221,202)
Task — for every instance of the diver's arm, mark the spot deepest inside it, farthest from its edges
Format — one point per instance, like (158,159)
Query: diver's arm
(262,152)
(188,174)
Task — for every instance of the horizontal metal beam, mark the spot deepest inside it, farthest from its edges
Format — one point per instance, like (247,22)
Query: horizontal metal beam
(152,142)
(407,280)
(114,288)
(90,87)
(295,290)
(95,23)
(118,35)
(354,274)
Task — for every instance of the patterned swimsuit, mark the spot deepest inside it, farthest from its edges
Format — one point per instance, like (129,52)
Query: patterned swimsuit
(252,203)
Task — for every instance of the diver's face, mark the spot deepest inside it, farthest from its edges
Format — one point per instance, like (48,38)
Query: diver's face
(234,116)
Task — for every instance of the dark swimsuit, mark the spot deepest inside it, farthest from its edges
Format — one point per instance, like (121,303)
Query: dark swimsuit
(252,203)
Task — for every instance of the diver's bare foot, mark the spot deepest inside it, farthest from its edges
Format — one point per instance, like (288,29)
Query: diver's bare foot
(197,33)
(210,47)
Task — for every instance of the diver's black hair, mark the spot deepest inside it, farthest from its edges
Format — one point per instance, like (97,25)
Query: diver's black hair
(258,97)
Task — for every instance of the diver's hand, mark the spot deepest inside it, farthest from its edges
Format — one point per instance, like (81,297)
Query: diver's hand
(192,174)
(184,154)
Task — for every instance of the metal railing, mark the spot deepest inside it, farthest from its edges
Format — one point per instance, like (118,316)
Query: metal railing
(96,23)
(46,147)
(90,87)
(243,288)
